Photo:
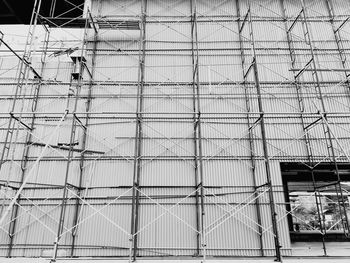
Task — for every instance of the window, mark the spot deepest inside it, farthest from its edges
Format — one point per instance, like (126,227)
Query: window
(316,202)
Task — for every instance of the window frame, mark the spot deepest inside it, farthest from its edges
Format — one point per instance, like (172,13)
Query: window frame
(324,172)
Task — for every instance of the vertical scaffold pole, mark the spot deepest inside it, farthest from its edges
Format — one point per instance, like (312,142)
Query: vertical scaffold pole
(195,125)
(197,130)
(138,136)
(76,93)
(84,139)
(250,130)
(264,140)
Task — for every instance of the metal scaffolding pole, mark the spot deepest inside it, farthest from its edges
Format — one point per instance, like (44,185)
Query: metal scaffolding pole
(78,204)
(264,139)
(76,77)
(250,131)
(197,133)
(138,136)
(194,43)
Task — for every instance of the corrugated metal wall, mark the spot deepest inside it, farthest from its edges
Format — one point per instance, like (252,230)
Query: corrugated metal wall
(168,214)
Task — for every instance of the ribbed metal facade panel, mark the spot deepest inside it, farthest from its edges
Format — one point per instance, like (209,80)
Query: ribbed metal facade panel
(157,226)
(168,156)
(97,236)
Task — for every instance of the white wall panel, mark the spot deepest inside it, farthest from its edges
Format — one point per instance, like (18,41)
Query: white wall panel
(116,8)
(168,8)
(167,173)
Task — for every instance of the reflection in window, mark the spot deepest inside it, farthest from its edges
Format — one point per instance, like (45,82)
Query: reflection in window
(320,210)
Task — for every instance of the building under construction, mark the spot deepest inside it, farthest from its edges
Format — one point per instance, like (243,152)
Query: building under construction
(162,128)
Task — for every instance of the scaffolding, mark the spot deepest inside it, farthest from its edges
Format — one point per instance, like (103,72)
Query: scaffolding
(158,128)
